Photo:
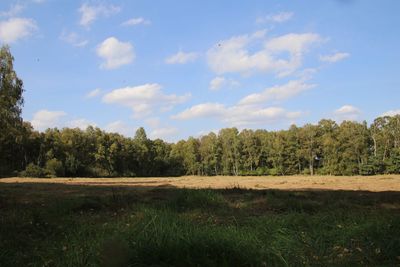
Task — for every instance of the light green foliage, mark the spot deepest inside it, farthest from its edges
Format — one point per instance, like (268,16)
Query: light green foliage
(210,153)
(231,150)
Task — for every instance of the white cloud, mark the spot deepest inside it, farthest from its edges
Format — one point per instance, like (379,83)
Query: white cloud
(181,58)
(144,99)
(217,83)
(279,92)
(136,21)
(293,43)
(277,18)
(73,38)
(237,115)
(44,119)
(347,112)
(202,111)
(282,55)
(13,29)
(115,53)
(121,128)
(164,133)
(334,57)
(253,115)
(13,11)
(391,113)
(251,109)
(89,13)
(153,122)
(38,1)
(220,82)
(93,93)
(80,123)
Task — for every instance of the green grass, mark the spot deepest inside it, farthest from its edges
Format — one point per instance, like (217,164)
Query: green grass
(56,225)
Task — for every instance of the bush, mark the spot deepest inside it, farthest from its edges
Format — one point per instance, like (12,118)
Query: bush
(33,170)
(262,171)
(55,168)
(274,172)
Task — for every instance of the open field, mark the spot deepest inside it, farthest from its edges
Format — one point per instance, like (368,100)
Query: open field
(156,222)
(377,183)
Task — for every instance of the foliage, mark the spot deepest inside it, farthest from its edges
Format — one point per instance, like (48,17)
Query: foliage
(348,148)
(11,126)
(54,167)
(33,170)
(326,148)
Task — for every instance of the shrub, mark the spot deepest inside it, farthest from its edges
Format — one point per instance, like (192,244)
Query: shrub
(55,168)
(33,170)
(273,172)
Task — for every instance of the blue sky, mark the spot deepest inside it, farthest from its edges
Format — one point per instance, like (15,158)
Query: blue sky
(184,68)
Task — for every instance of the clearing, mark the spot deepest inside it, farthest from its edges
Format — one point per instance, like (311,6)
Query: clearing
(377,183)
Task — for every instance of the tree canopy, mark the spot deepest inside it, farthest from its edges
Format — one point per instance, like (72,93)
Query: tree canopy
(327,148)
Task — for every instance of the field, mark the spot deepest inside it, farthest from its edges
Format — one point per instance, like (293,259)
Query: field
(200,221)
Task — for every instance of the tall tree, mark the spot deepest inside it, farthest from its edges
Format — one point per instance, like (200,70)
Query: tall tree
(250,150)
(11,102)
(231,150)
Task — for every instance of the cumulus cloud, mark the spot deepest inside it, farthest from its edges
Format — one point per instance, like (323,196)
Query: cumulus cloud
(144,99)
(391,113)
(13,11)
(334,57)
(115,53)
(14,29)
(238,115)
(347,112)
(252,115)
(279,92)
(181,58)
(44,119)
(89,13)
(276,18)
(136,21)
(217,83)
(250,110)
(73,39)
(121,128)
(80,123)
(202,111)
(220,82)
(93,93)
(164,133)
(282,55)
(153,122)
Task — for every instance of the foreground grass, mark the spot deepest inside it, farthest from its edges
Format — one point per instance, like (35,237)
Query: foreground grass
(60,225)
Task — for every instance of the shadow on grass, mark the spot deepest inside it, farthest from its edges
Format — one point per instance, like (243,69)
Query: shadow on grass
(78,225)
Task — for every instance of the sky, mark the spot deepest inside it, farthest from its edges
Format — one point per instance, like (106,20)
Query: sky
(185,68)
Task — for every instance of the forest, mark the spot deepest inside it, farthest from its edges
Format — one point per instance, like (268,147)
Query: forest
(327,148)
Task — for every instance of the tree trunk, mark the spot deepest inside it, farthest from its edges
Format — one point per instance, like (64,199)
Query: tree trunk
(312,167)
(375,145)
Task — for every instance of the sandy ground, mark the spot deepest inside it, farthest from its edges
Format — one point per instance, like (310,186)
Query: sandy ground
(369,183)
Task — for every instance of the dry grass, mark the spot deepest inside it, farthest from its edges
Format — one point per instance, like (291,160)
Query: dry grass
(378,183)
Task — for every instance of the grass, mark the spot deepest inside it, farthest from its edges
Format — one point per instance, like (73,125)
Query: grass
(64,225)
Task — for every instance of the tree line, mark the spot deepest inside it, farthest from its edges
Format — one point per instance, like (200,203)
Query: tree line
(328,148)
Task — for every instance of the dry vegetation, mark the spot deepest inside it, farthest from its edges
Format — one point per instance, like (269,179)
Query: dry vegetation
(364,183)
